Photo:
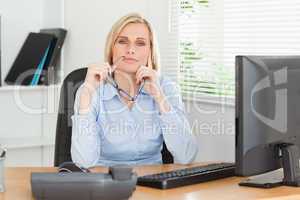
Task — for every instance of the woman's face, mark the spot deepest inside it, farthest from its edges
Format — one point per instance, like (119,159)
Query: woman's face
(133,43)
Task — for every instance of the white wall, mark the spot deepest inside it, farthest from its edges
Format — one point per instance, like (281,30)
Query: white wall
(28,125)
(18,18)
(28,136)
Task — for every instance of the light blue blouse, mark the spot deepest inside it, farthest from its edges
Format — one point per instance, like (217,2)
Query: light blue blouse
(111,133)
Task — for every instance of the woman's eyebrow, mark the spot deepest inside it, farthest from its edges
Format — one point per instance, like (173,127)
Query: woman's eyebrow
(141,38)
(138,38)
(122,37)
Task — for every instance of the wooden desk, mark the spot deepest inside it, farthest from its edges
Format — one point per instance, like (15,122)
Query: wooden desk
(18,187)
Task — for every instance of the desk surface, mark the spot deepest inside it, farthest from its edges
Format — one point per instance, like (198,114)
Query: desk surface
(18,187)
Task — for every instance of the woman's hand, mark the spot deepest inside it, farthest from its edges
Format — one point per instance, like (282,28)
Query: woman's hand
(150,77)
(96,74)
(152,86)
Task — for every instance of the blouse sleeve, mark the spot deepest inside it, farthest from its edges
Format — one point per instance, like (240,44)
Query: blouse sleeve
(85,146)
(175,127)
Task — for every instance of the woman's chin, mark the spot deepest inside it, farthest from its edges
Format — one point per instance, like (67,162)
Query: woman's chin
(129,69)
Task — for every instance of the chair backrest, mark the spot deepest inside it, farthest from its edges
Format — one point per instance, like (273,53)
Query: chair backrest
(64,123)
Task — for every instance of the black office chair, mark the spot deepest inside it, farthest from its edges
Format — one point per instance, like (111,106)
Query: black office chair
(64,122)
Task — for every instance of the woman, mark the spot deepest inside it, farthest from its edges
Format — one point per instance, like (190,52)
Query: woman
(125,109)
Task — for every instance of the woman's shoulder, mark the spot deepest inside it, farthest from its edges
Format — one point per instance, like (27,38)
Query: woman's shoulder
(98,92)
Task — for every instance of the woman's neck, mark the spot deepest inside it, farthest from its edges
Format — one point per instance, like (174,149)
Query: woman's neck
(126,81)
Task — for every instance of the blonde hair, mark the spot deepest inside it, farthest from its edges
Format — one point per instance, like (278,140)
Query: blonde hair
(116,30)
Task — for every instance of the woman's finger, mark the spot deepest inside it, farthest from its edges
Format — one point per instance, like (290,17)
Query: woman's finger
(139,71)
(138,74)
(101,72)
(141,68)
(105,74)
(108,68)
(140,77)
(145,75)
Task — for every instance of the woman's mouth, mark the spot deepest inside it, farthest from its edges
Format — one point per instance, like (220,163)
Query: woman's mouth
(130,60)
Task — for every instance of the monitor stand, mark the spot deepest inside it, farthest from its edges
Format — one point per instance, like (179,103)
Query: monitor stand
(288,175)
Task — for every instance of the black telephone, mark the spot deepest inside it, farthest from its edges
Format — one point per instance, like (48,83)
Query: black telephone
(71,167)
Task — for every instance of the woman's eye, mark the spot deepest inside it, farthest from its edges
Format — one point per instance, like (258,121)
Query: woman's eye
(122,42)
(140,43)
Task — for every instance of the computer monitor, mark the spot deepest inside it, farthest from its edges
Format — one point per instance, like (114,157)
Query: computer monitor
(268,118)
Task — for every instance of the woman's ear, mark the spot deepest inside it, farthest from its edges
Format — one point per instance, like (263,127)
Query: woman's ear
(149,63)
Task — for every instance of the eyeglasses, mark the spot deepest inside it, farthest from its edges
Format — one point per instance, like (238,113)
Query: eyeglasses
(122,92)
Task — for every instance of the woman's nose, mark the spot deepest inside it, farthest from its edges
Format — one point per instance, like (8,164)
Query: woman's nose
(130,49)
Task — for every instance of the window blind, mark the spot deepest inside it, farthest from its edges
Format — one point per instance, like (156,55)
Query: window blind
(170,59)
(210,33)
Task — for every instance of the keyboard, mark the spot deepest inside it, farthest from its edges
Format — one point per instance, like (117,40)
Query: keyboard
(187,176)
